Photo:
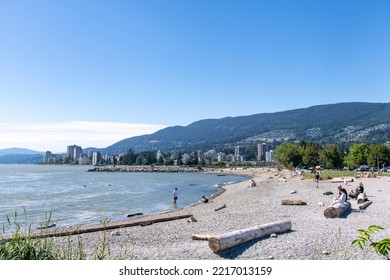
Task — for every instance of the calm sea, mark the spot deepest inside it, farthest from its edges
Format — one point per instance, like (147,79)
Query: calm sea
(72,196)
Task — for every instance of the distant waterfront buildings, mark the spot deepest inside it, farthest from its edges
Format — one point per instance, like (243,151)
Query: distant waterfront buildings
(74,152)
(96,157)
(270,156)
(262,149)
(237,151)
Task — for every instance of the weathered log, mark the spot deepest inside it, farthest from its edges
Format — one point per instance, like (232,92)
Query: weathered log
(95,228)
(327,193)
(336,210)
(234,238)
(293,202)
(341,180)
(134,214)
(361,198)
(220,208)
(46,226)
(200,236)
(364,205)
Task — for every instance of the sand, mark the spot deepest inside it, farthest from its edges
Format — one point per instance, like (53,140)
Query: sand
(312,237)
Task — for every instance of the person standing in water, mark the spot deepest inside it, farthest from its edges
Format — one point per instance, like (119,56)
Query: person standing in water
(175,195)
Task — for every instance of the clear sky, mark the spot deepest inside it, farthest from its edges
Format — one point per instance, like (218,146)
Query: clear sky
(95,72)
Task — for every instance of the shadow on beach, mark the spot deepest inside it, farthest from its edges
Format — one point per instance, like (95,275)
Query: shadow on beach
(235,252)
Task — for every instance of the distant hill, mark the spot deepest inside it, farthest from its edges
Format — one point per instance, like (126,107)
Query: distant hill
(18,151)
(21,159)
(20,155)
(335,123)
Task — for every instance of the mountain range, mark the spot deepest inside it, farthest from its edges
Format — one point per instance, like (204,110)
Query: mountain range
(341,123)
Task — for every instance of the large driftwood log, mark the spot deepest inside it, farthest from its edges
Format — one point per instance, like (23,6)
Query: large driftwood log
(94,228)
(336,210)
(364,205)
(234,238)
(293,202)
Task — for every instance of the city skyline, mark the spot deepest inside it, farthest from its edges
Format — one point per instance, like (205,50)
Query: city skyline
(73,72)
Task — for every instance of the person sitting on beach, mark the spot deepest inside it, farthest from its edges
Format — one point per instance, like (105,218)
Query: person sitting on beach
(253,184)
(342,197)
(358,190)
(204,199)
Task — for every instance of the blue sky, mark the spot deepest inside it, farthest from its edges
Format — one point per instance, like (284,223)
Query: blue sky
(95,72)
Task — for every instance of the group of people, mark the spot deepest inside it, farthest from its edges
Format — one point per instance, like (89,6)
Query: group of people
(343,196)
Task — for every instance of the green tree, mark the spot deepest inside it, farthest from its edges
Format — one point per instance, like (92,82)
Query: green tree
(357,156)
(128,158)
(311,154)
(289,155)
(331,157)
(378,155)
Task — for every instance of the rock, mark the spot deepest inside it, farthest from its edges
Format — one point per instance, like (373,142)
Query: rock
(115,233)
(270,257)
(325,253)
(274,235)
(294,191)
(321,204)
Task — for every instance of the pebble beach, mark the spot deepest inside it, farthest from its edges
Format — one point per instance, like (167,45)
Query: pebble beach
(312,235)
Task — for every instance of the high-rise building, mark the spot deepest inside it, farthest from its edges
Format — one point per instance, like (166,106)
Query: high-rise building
(237,151)
(270,156)
(96,157)
(74,152)
(47,158)
(262,149)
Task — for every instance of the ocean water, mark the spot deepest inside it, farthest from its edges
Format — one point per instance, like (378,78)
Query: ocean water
(69,195)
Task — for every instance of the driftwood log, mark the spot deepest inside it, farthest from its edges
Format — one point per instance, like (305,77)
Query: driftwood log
(220,208)
(234,238)
(364,205)
(336,210)
(293,202)
(327,193)
(134,214)
(95,228)
(200,236)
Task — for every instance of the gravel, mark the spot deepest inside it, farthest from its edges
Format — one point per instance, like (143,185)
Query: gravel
(312,237)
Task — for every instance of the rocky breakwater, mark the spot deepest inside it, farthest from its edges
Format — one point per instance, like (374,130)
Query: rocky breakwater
(167,169)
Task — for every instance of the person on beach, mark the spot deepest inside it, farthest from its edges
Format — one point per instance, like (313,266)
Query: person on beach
(342,197)
(175,195)
(317,177)
(358,190)
(204,199)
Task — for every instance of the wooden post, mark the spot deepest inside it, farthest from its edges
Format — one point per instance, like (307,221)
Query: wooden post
(336,210)
(234,238)
(364,205)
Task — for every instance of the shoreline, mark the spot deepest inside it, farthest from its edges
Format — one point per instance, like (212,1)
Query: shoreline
(312,235)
